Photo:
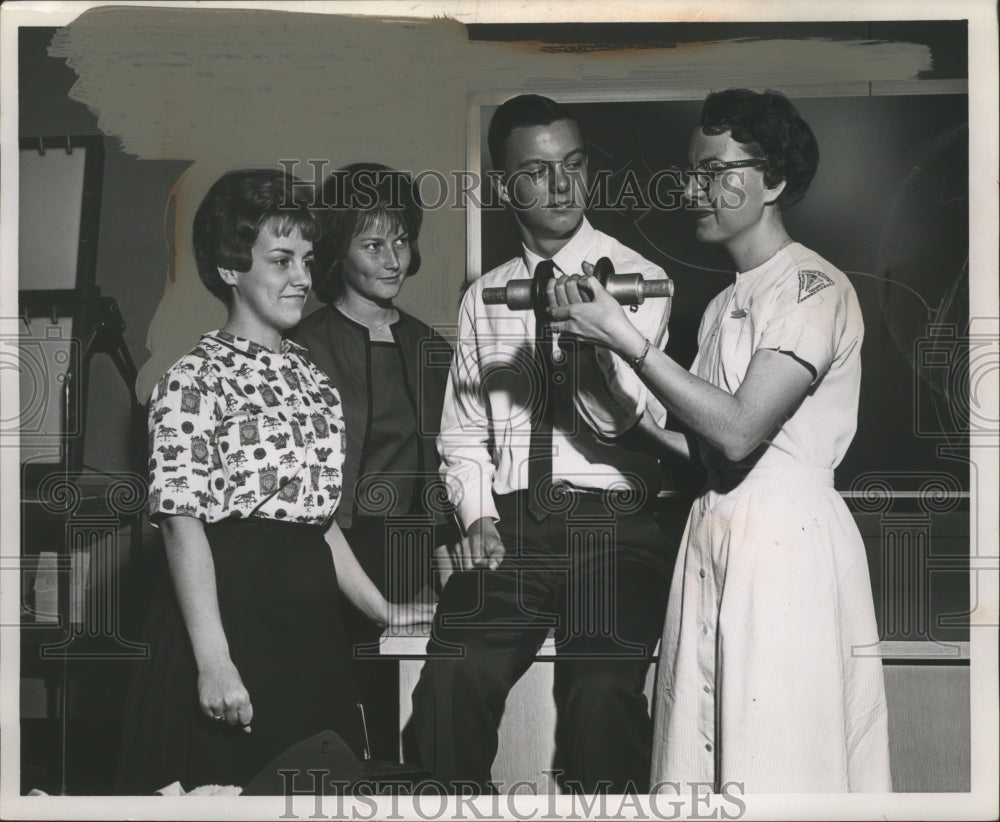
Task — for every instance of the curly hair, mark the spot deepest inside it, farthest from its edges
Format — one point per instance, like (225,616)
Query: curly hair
(771,128)
(359,197)
(232,214)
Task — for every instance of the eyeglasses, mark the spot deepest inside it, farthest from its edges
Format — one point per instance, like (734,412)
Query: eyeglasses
(713,170)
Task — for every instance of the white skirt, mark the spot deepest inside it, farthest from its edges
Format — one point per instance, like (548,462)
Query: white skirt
(769,674)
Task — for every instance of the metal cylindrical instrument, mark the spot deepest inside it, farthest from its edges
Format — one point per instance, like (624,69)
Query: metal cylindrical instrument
(627,289)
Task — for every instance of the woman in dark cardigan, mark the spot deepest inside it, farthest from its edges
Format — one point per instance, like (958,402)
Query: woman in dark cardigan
(391,370)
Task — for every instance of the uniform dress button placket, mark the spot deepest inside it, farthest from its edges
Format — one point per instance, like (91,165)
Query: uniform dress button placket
(707,657)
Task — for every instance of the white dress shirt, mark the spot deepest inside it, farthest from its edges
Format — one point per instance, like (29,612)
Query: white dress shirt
(486,423)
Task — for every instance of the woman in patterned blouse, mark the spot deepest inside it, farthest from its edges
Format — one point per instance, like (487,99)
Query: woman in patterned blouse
(246,449)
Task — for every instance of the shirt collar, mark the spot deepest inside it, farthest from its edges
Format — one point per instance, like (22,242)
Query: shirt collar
(568,259)
(249,347)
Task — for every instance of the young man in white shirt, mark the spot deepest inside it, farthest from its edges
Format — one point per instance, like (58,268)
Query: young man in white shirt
(560,536)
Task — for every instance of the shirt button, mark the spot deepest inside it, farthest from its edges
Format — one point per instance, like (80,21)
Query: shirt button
(708,746)
(701,573)
(704,630)
(706,689)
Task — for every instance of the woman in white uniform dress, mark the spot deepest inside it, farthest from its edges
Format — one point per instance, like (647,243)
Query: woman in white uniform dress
(768,673)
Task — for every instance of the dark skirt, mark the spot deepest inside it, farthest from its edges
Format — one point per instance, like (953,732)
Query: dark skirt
(280,609)
(398,561)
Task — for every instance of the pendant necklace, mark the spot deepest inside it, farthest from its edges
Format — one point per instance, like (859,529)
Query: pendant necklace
(376,327)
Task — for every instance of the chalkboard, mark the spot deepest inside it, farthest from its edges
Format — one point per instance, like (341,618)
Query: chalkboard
(889,206)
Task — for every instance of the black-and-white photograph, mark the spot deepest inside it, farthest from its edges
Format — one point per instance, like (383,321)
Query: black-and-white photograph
(494,410)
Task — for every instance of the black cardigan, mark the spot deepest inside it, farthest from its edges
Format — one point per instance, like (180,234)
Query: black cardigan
(339,347)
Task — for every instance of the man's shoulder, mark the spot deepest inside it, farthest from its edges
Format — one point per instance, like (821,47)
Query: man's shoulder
(626,260)
(500,275)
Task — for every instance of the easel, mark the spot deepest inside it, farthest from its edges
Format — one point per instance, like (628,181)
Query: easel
(65,505)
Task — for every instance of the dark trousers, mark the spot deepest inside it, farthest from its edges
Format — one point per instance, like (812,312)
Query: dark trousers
(598,576)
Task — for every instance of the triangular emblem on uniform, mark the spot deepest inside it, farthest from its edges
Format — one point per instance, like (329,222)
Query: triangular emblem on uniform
(810,282)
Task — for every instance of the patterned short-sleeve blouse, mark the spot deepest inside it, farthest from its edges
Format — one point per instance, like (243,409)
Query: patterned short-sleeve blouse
(237,430)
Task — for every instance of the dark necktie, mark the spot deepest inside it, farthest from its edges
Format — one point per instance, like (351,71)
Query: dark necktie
(540,449)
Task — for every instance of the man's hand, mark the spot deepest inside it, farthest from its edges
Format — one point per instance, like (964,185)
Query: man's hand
(481,547)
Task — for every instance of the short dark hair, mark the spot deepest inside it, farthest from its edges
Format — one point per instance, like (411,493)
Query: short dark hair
(232,214)
(771,128)
(358,197)
(520,112)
